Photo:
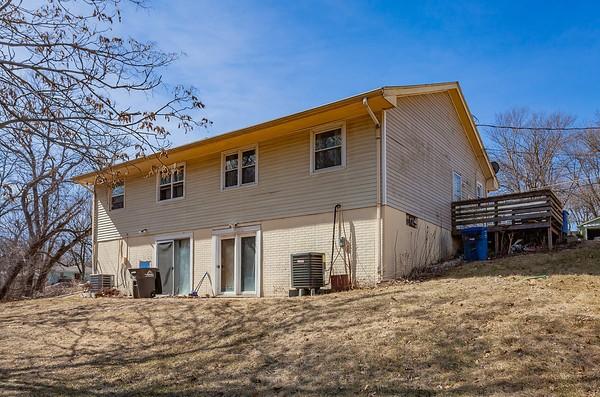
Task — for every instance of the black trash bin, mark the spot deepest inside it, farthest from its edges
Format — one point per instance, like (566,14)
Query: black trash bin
(146,282)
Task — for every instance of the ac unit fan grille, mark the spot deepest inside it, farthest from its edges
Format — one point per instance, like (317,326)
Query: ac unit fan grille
(307,270)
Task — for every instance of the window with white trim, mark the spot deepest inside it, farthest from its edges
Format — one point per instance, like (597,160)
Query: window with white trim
(117,196)
(456,186)
(479,190)
(171,182)
(328,148)
(239,168)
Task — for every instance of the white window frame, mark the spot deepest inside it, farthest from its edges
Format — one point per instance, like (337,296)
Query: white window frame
(239,152)
(158,185)
(110,197)
(237,233)
(455,174)
(319,130)
(479,187)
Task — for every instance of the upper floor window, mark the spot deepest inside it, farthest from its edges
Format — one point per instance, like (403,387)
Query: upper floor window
(239,168)
(328,148)
(171,182)
(117,196)
(456,187)
(479,190)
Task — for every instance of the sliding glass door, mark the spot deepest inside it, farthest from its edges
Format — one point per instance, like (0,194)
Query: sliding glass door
(238,264)
(181,269)
(248,264)
(164,258)
(173,261)
(228,265)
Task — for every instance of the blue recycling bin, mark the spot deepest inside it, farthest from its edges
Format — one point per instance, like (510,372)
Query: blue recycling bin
(565,219)
(144,264)
(475,243)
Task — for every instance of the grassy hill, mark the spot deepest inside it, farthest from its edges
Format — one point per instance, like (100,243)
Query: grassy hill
(526,325)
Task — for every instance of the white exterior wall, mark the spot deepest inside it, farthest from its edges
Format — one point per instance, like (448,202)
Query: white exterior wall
(280,239)
(406,247)
(425,144)
(285,188)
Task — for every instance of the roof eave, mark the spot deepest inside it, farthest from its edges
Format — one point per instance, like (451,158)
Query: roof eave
(90,177)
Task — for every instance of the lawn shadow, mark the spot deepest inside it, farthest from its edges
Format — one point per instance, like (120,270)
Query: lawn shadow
(401,340)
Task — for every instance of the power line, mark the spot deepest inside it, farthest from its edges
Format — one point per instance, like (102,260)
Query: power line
(590,153)
(571,181)
(514,127)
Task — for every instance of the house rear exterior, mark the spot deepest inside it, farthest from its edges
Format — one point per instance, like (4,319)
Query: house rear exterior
(232,209)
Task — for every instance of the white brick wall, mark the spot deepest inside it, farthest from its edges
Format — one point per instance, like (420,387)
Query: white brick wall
(313,233)
(280,239)
(203,261)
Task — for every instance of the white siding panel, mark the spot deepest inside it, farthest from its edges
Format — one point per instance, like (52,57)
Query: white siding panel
(286,188)
(425,143)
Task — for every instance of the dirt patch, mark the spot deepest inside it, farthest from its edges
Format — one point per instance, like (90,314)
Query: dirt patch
(488,328)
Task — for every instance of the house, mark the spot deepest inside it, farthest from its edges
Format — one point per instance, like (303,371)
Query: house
(61,273)
(236,206)
(590,229)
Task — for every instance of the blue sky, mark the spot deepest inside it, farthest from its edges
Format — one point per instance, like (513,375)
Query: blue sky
(255,60)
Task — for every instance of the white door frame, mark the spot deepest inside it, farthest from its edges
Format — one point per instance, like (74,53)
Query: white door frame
(237,234)
(171,238)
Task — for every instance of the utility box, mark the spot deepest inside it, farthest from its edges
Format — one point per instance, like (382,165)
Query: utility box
(146,282)
(475,243)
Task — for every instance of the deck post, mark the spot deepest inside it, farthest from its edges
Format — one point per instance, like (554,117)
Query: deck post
(549,238)
(496,244)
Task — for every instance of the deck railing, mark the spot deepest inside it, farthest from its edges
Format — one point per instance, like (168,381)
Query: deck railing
(539,209)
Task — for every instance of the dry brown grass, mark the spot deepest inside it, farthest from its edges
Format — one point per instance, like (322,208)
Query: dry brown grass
(481,329)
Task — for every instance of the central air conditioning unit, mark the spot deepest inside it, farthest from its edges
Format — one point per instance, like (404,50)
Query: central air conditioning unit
(307,272)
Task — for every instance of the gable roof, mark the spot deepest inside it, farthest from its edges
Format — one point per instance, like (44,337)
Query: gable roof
(378,99)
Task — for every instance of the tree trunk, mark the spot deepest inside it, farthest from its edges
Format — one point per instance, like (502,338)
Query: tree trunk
(40,283)
(28,287)
(11,279)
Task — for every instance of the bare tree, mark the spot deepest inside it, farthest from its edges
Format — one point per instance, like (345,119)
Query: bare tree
(6,190)
(80,255)
(584,149)
(534,158)
(536,151)
(61,69)
(47,207)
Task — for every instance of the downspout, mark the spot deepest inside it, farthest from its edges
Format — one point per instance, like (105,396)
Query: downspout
(94,239)
(379,223)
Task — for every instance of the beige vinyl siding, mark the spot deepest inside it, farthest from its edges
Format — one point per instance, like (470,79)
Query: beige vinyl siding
(285,188)
(425,143)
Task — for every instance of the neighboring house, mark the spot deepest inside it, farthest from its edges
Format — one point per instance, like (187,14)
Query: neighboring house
(237,205)
(590,229)
(65,273)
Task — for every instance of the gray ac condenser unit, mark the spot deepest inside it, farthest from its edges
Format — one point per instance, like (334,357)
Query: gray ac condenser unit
(99,282)
(307,270)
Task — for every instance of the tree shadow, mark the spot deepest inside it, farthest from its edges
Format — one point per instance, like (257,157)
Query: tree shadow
(387,341)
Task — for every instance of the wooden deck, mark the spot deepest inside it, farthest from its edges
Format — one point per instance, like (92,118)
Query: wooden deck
(535,210)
